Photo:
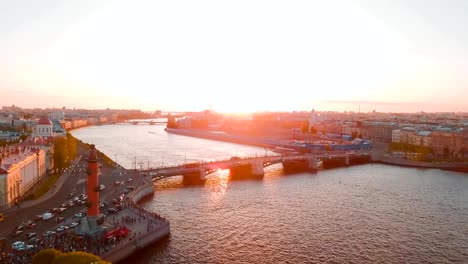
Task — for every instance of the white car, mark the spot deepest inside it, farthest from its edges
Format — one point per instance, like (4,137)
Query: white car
(48,233)
(79,215)
(60,228)
(29,247)
(47,216)
(73,224)
(18,245)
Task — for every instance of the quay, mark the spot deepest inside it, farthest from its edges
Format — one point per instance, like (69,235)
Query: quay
(144,227)
(144,233)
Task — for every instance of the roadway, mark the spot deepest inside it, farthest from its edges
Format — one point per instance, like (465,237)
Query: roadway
(75,181)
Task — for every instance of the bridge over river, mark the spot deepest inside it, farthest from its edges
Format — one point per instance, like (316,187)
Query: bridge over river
(254,166)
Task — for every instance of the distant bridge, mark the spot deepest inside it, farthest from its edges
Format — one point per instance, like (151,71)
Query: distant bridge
(138,122)
(253,166)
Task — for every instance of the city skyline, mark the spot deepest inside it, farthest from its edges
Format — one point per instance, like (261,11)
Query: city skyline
(398,56)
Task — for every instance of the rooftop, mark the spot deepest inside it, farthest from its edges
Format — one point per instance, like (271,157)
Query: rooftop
(14,155)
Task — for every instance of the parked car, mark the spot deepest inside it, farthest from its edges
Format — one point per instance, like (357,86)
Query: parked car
(17,232)
(30,235)
(18,244)
(79,215)
(48,233)
(73,224)
(112,211)
(34,240)
(47,216)
(62,228)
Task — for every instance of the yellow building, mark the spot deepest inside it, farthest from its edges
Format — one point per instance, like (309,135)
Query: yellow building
(20,169)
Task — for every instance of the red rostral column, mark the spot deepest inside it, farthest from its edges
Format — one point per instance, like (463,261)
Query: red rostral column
(93,183)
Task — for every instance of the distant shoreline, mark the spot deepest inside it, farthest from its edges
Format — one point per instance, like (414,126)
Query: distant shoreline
(451,166)
(271,144)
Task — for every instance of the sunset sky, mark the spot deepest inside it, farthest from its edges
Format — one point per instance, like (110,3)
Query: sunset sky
(235,56)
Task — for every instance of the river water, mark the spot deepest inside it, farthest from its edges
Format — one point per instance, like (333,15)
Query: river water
(362,214)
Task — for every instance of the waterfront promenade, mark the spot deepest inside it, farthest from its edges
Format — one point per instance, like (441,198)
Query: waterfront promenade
(146,227)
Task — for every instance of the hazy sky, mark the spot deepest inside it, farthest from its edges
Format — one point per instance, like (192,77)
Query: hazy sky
(395,55)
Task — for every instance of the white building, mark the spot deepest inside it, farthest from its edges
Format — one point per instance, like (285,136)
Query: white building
(43,128)
(20,169)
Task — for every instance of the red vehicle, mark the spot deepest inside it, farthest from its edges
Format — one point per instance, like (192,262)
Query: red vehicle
(120,232)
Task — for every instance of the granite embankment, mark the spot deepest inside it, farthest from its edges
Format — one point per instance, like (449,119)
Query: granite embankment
(451,166)
(129,247)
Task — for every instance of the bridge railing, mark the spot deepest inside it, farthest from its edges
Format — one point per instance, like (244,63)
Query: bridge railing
(195,165)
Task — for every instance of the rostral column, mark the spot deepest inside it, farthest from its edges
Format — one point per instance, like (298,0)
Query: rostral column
(93,188)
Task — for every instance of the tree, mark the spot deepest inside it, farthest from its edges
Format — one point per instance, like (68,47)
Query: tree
(65,150)
(171,122)
(45,256)
(313,130)
(60,152)
(53,256)
(78,257)
(305,127)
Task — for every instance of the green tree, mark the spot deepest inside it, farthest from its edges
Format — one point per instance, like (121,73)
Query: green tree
(45,256)
(53,256)
(72,146)
(65,150)
(60,152)
(78,257)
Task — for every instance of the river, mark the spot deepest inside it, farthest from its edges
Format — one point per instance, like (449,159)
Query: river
(363,214)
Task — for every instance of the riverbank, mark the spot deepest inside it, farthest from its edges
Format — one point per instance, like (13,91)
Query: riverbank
(451,166)
(377,157)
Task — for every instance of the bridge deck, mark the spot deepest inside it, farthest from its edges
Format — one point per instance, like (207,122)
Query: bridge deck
(164,172)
